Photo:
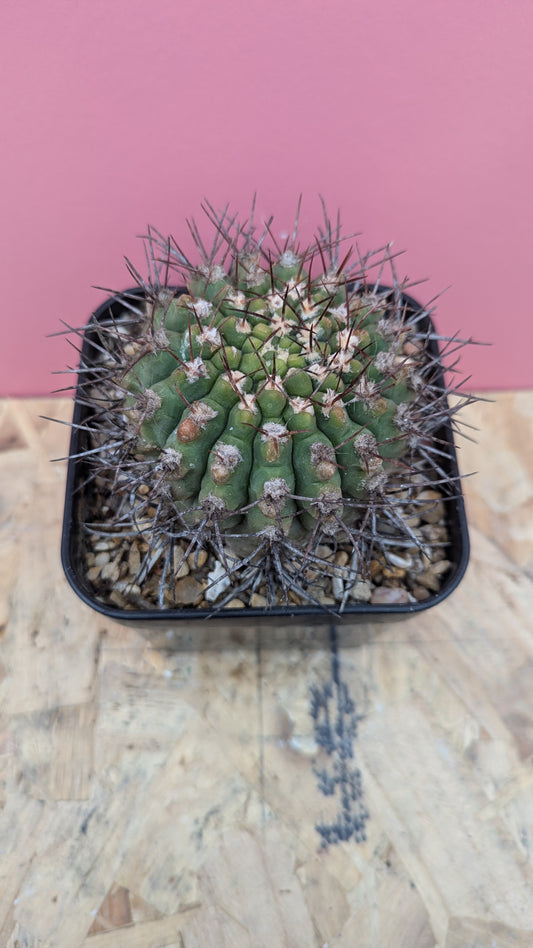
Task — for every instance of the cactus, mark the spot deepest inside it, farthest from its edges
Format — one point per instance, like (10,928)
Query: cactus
(281,402)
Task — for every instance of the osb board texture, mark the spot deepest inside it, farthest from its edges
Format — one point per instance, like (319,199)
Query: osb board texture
(173,796)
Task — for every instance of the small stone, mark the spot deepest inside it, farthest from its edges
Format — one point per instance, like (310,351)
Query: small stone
(101,559)
(323,598)
(420,593)
(89,559)
(434,533)
(93,573)
(197,559)
(181,566)
(440,567)
(432,509)
(117,599)
(342,558)
(389,595)
(134,561)
(411,347)
(127,589)
(258,601)
(188,591)
(429,580)
(425,559)
(361,591)
(324,552)
(235,604)
(110,571)
(102,545)
(393,572)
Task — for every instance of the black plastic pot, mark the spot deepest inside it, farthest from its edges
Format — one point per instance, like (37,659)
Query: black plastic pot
(73,541)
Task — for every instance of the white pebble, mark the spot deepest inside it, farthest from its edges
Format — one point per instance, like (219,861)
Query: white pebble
(110,571)
(404,562)
(337,587)
(218,582)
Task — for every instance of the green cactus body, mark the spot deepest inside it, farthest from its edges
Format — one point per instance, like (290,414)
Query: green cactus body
(264,401)
(219,364)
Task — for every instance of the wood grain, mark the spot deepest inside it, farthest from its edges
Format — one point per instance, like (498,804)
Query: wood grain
(166,788)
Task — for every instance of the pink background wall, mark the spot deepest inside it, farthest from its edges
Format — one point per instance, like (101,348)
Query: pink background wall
(416,118)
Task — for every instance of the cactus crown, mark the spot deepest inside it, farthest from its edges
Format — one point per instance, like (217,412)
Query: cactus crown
(284,399)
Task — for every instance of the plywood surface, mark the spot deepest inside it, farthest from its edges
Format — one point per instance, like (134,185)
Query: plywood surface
(181,796)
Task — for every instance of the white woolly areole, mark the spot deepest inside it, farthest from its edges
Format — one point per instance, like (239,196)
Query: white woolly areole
(254,275)
(274,302)
(309,309)
(159,339)
(282,354)
(201,413)
(273,431)
(366,443)
(289,258)
(366,391)
(276,489)
(242,325)
(347,340)
(214,271)
(210,336)
(299,405)
(296,289)
(341,361)
(365,446)
(390,327)
(331,282)
(164,295)
(387,361)
(236,297)
(280,325)
(236,379)
(329,399)
(228,455)
(416,381)
(249,402)
(170,460)
(377,482)
(319,370)
(274,384)
(403,417)
(202,308)
(213,504)
(147,403)
(339,312)
(195,370)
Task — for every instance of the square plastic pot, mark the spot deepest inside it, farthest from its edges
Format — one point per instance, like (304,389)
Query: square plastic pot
(74,543)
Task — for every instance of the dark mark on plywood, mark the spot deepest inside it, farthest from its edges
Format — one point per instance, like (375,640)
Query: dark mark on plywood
(335,724)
